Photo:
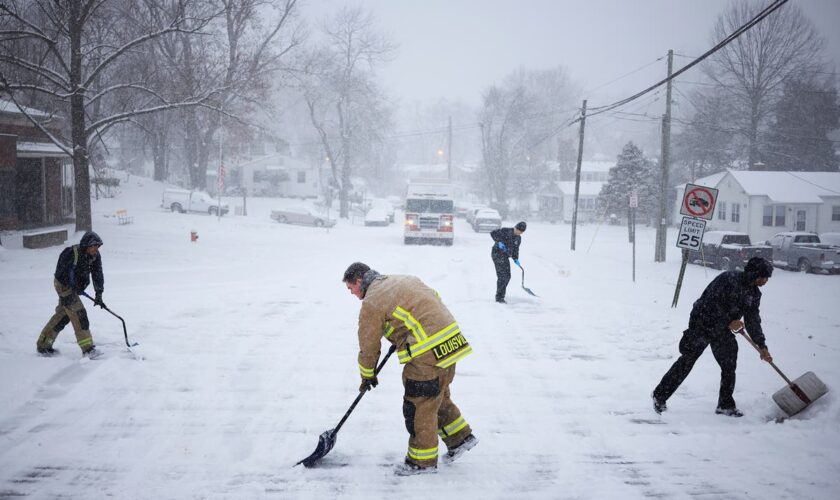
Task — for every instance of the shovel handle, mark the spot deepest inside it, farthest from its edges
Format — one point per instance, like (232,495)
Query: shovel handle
(743,332)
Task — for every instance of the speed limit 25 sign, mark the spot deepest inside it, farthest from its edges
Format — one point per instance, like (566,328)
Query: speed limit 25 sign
(691,233)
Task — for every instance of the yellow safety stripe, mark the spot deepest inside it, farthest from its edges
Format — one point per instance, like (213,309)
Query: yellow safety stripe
(453,428)
(410,322)
(421,347)
(388,330)
(366,372)
(86,342)
(446,363)
(75,255)
(427,454)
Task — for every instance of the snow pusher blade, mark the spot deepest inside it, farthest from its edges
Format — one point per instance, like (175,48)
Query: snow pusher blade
(798,394)
(326,440)
(528,290)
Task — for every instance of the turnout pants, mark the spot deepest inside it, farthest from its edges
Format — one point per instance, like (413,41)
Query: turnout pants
(692,345)
(502,263)
(69,310)
(429,412)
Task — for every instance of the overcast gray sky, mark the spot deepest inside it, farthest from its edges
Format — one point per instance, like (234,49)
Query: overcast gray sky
(456,48)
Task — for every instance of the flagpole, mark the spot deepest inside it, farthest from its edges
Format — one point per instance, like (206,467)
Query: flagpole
(220,179)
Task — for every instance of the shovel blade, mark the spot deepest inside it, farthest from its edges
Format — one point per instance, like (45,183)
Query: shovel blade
(529,291)
(326,441)
(808,388)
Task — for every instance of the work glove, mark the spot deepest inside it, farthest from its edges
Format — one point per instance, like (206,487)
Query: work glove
(501,246)
(765,355)
(516,261)
(97,301)
(368,384)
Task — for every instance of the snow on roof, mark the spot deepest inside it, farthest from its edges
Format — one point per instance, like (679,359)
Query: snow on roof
(789,187)
(780,187)
(589,188)
(39,149)
(10,107)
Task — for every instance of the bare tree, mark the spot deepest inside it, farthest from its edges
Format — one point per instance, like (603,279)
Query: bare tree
(755,65)
(338,82)
(71,54)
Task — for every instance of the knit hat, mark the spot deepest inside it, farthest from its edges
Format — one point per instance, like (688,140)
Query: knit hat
(758,267)
(521,226)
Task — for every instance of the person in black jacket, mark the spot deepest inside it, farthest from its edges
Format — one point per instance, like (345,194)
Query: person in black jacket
(76,266)
(729,302)
(506,242)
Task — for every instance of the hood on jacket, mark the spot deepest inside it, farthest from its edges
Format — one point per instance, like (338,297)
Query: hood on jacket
(90,239)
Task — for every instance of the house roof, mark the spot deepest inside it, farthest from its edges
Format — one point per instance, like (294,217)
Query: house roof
(588,188)
(39,150)
(10,107)
(781,187)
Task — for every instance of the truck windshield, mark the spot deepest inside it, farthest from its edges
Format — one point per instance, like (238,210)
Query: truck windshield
(429,206)
(737,239)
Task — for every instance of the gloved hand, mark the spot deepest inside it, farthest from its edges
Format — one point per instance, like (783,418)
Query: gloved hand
(516,261)
(501,246)
(368,384)
(97,301)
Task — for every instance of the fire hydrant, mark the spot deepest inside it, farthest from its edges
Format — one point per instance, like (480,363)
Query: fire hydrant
(193,235)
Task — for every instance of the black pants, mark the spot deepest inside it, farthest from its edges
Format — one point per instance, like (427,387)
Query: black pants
(502,263)
(692,345)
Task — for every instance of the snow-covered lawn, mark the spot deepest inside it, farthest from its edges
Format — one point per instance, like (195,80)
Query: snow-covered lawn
(250,351)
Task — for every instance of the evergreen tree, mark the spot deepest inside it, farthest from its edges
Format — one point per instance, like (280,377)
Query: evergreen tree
(632,172)
(804,116)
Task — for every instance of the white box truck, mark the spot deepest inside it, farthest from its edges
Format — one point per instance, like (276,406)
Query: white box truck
(429,213)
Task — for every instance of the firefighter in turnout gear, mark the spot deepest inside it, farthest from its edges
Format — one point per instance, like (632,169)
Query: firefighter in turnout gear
(506,241)
(428,343)
(728,303)
(76,266)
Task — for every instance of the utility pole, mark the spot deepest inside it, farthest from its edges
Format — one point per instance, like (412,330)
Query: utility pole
(662,228)
(449,153)
(577,174)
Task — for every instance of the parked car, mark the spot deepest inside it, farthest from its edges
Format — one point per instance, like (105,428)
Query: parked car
(377,216)
(486,220)
(805,252)
(728,250)
(301,215)
(384,206)
(474,210)
(182,200)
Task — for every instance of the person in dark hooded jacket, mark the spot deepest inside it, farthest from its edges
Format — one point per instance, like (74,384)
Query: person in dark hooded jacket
(506,241)
(730,302)
(76,266)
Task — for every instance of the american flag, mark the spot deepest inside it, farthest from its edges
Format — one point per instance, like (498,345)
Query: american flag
(221,176)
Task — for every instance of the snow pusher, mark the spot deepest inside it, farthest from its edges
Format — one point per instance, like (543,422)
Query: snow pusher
(326,440)
(798,394)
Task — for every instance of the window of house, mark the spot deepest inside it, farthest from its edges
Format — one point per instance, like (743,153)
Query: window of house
(721,210)
(767,216)
(835,212)
(780,215)
(301,175)
(736,212)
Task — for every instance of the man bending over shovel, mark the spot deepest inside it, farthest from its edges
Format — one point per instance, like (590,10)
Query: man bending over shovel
(429,343)
(716,315)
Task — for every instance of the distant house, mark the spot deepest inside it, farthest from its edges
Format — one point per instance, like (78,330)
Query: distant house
(36,178)
(762,204)
(276,174)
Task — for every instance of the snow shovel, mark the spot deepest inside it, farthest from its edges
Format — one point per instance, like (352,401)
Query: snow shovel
(797,395)
(125,332)
(523,282)
(326,440)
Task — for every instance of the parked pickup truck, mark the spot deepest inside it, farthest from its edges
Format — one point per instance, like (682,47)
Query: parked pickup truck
(181,200)
(728,250)
(805,252)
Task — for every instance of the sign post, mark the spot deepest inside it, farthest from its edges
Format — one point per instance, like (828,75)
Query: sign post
(634,203)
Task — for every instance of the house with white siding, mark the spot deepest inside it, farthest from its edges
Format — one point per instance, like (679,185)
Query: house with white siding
(762,204)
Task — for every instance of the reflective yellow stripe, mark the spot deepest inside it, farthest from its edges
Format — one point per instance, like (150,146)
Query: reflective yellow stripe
(86,342)
(75,255)
(427,454)
(453,428)
(446,363)
(422,347)
(410,322)
(366,372)
(388,329)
